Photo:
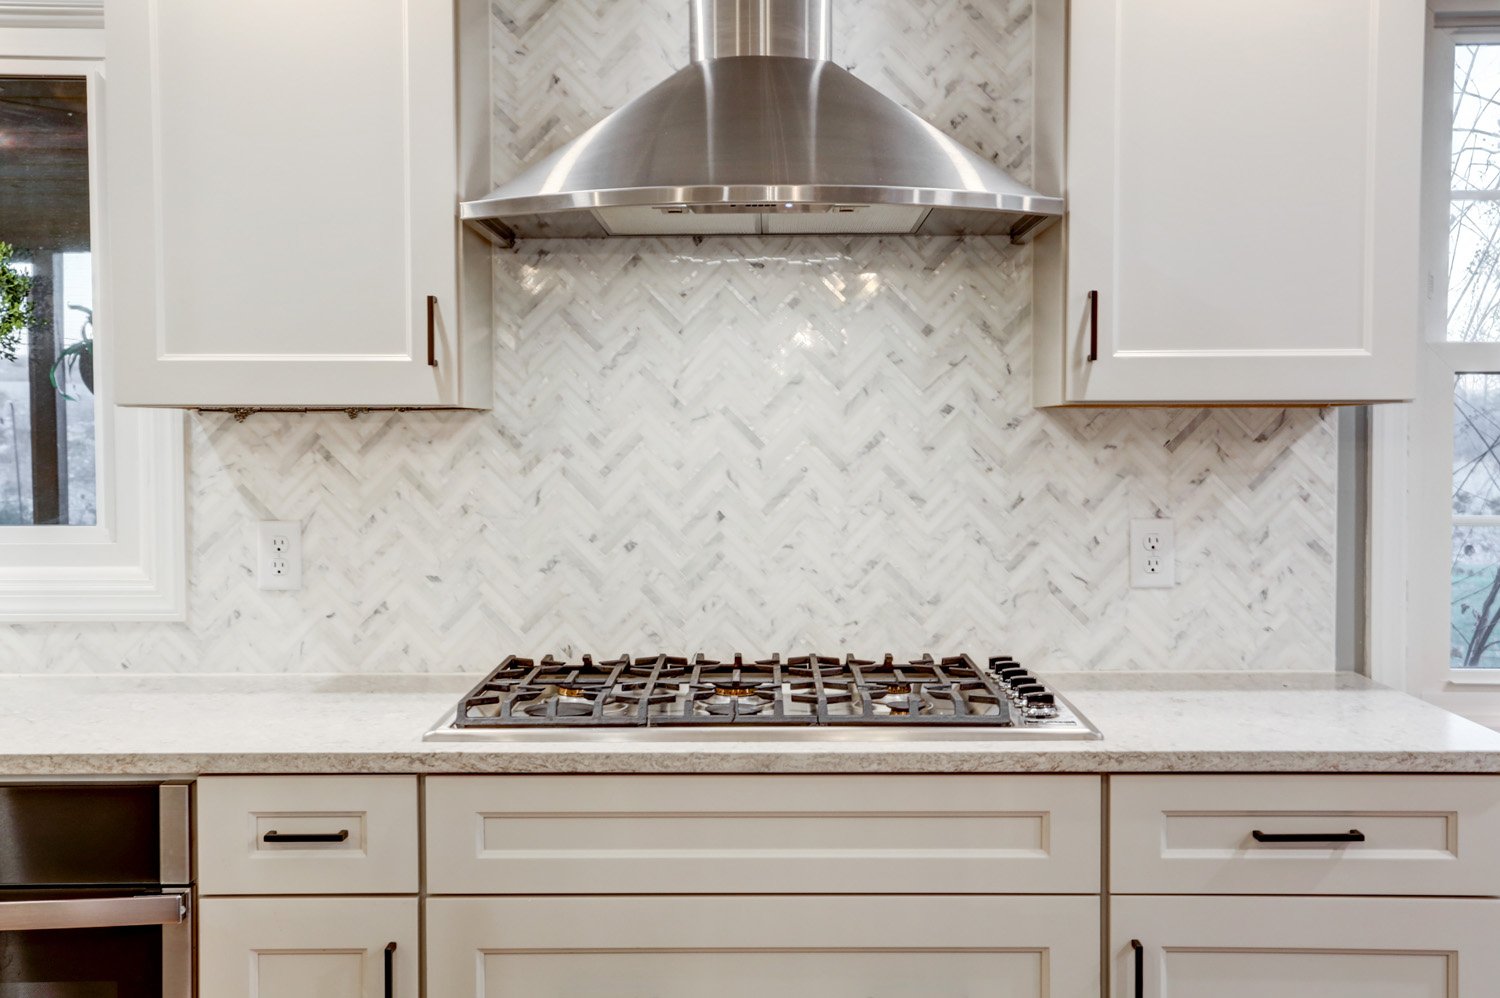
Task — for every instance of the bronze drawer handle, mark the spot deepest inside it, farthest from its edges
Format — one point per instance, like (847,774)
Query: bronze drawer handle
(1352,835)
(275,836)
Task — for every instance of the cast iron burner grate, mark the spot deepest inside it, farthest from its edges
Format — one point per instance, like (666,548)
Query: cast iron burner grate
(807,691)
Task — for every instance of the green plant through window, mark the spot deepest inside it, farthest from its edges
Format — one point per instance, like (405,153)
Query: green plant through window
(16,312)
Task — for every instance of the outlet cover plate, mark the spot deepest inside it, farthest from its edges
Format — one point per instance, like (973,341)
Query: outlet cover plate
(1153,554)
(278,555)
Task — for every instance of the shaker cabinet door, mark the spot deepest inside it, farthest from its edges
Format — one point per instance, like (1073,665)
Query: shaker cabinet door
(307,947)
(762,834)
(751,947)
(1243,183)
(282,191)
(1217,947)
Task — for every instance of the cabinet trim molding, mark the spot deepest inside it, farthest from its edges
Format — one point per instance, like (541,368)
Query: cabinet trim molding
(51,14)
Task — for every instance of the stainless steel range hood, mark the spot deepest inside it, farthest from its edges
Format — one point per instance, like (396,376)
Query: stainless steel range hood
(762,134)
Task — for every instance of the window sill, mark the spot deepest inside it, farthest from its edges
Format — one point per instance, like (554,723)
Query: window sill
(1478,702)
(1473,679)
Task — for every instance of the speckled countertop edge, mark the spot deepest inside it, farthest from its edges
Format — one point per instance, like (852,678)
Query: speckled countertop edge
(155,726)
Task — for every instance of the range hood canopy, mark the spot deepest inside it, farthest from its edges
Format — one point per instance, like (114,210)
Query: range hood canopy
(762,133)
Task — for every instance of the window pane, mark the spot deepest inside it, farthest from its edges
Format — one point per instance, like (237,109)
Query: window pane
(46,304)
(1476,117)
(1476,445)
(1475,641)
(1473,274)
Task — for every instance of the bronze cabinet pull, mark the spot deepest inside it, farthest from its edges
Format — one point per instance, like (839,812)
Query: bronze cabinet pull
(1093,326)
(1352,835)
(432,303)
(274,836)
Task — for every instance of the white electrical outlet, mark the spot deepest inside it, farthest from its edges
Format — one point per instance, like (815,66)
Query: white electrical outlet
(1153,554)
(279,555)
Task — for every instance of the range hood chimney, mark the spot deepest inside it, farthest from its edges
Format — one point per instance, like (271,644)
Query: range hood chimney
(796,29)
(761,134)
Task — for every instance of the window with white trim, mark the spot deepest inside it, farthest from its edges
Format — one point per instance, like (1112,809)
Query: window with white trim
(1472,316)
(91,496)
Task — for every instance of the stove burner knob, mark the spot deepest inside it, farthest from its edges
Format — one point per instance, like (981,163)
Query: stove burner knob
(1039,705)
(1001,661)
(1015,675)
(1024,690)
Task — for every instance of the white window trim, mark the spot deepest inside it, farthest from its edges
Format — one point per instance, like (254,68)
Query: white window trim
(132,564)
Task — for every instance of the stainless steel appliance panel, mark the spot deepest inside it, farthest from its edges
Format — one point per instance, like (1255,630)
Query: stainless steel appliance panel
(95,891)
(109,834)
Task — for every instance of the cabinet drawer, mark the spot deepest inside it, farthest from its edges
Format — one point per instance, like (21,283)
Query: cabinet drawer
(1419,835)
(307,835)
(763,834)
(751,947)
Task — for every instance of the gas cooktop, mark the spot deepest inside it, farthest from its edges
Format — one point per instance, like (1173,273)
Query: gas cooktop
(807,697)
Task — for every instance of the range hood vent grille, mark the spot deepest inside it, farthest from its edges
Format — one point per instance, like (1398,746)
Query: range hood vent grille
(758,219)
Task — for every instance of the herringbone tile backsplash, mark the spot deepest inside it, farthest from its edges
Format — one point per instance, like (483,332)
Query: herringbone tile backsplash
(757,445)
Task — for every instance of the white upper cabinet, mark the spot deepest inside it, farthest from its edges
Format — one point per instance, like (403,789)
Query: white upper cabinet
(283,185)
(1243,183)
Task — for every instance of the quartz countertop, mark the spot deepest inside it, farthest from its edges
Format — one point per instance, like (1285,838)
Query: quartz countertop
(74,725)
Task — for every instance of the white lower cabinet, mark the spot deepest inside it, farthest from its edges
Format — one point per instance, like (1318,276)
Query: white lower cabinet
(751,947)
(747,834)
(813,887)
(275,835)
(307,948)
(1390,836)
(1304,947)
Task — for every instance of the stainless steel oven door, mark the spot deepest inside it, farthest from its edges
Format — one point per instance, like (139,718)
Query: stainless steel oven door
(71,943)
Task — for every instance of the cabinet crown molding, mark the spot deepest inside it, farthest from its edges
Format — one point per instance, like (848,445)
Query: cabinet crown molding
(51,13)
